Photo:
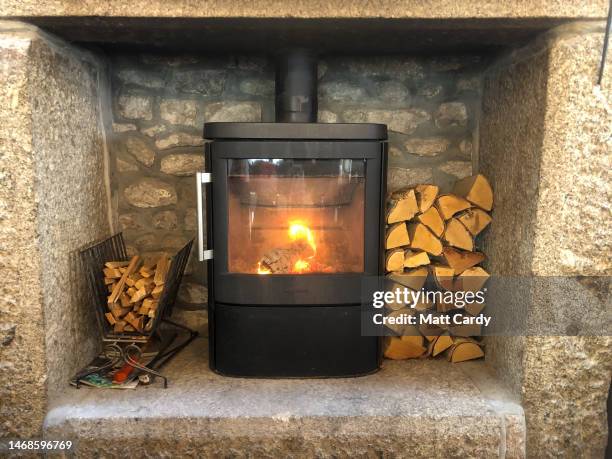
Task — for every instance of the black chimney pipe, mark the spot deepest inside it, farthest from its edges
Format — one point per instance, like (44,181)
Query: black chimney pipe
(296,87)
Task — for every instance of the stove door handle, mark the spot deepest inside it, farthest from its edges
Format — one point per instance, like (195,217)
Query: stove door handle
(202,178)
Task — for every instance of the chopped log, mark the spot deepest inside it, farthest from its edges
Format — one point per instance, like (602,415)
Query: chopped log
(157,291)
(423,239)
(459,260)
(477,190)
(119,326)
(118,311)
(116,264)
(401,349)
(128,328)
(109,280)
(145,282)
(432,220)
(163,265)
(426,196)
(112,273)
(413,279)
(146,271)
(140,294)
(414,259)
(442,275)
(131,291)
(125,300)
(394,260)
(471,280)
(111,318)
(457,235)
(118,289)
(132,279)
(111,287)
(397,236)
(475,220)
(430,331)
(402,207)
(442,344)
(465,350)
(449,204)
(135,321)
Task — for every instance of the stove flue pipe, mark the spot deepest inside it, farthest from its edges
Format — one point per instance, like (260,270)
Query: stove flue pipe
(296,87)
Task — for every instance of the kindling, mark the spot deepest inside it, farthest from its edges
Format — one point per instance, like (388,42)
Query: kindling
(410,298)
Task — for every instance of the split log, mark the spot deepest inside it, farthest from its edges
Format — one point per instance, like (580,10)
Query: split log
(415,259)
(471,280)
(157,291)
(124,299)
(394,260)
(161,272)
(116,264)
(464,349)
(442,275)
(145,282)
(425,196)
(140,294)
(442,343)
(397,236)
(477,190)
(475,220)
(147,271)
(111,318)
(118,289)
(423,239)
(457,235)
(112,273)
(432,220)
(459,260)
(402,348)
(449,204)
(413,278)
(402,206)
(119,326)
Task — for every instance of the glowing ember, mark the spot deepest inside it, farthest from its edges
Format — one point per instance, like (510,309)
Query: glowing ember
(262,269)
(301,266)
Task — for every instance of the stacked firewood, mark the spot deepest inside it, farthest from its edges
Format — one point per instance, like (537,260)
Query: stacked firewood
(431,236)
(135,287)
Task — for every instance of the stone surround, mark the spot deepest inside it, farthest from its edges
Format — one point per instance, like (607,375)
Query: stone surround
(543,137)
(160,103)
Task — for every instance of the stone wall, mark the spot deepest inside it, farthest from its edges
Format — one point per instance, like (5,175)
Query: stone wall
(161,102)
(54,201)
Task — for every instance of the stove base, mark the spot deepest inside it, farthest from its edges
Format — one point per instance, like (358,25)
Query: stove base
(290,342)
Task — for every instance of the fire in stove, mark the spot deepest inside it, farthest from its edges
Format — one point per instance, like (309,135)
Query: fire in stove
(296,257)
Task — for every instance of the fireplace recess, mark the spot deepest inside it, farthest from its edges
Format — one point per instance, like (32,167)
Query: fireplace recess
(295,217)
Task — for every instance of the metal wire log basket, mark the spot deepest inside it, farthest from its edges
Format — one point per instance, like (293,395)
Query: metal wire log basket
(94,258)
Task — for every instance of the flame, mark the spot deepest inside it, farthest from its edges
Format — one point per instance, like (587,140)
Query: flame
(262,270)
(297,230)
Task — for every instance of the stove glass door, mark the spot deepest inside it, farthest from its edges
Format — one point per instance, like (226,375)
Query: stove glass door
(296,216)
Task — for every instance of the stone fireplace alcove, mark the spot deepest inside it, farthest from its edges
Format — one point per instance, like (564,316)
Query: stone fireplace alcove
(101,131)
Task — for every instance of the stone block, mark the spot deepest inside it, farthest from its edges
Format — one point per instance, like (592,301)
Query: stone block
(140,150)
(135,107)
(179,139)
(182,164)
(430,146)
(166,219)
(451,114)
(399,177)
(177,111)
(150,192)
(401,121)
(233,111)
(205,82)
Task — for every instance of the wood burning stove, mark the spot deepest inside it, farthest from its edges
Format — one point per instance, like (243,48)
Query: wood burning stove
(294,214)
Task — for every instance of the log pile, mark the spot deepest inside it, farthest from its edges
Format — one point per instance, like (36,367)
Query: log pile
(433,236)
(134,287)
